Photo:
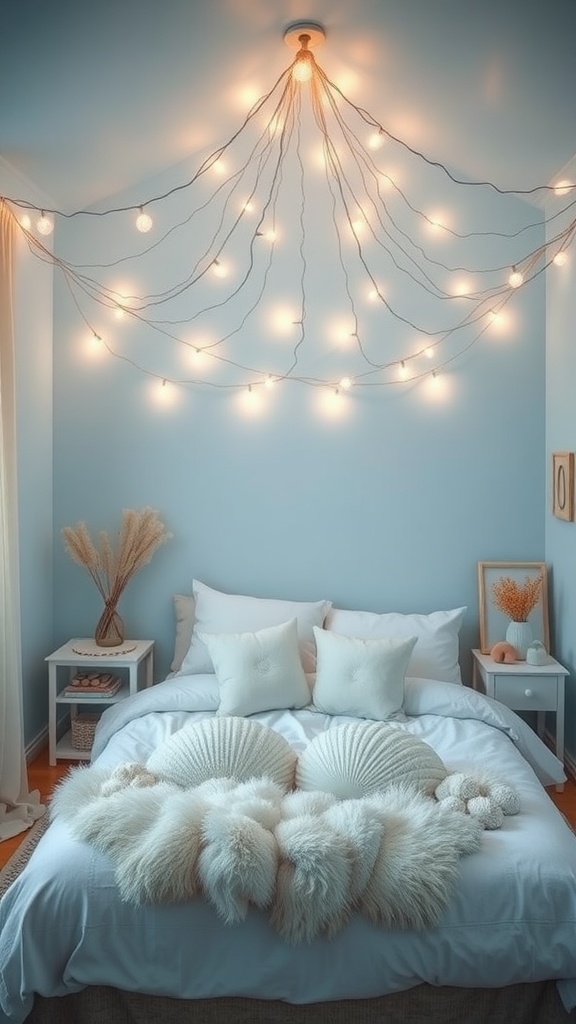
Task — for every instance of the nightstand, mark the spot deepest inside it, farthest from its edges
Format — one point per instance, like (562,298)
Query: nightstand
(132,661)
(524,687)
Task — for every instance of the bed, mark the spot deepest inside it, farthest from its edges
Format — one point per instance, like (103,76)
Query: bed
(502,947)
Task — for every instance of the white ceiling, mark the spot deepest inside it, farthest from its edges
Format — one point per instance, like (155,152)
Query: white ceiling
(95,97)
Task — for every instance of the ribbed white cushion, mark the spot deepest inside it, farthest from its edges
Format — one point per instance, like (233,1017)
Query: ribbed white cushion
(234,748)
(364,758)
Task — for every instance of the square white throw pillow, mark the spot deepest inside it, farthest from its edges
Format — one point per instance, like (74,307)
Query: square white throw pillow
(364,678)
(184,624)
(216,612)
(436,653)
(258,671)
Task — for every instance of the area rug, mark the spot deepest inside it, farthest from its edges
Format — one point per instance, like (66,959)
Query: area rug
(22,855)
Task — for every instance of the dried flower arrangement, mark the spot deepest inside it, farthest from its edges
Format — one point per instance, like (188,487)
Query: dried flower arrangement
(517,600)
(140,534)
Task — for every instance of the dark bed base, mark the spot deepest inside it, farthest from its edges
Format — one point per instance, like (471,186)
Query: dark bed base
(535,1003)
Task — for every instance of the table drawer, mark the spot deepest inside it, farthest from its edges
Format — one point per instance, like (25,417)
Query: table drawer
(537,693)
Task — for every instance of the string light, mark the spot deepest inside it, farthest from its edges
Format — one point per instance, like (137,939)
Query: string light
(384,267)
(562,188)
(143,221)
(45,225)
(219,269)
(516,278)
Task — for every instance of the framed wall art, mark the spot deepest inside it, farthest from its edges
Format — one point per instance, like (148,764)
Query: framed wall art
(493,622)
(563,485)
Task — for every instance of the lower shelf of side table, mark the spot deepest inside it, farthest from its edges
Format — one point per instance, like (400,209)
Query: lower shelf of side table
(65,750)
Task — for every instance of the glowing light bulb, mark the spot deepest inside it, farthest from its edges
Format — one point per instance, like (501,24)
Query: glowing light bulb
(143,221)
(44,224)
(429,352)
(563,187)
(270,235)
(119,313)
(219,269)
(269,382)
(436,223)
(25,222)
(498,321)
(251,401)
(95,345)
(302,69)
(560,259)
(248,206)
(461,288)
(515,279)
(346,383)
(376,140)
(163,394)
(402,371)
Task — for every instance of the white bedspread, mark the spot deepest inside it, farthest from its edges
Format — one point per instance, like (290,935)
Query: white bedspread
(513,918)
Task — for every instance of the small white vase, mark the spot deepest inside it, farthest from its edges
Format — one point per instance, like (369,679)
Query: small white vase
(520,635)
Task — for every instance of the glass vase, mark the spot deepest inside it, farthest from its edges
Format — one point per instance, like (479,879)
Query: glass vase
(520,635)
(109,630)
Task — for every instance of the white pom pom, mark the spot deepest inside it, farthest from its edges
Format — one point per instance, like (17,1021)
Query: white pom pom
(454,803)
(128,774)
(145,779)
(489,814)
(462,786)
(505,797)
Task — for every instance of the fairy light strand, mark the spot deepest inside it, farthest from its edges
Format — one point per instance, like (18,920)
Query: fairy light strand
(353,179)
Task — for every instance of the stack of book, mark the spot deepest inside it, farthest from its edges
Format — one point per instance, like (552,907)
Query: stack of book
(93,685)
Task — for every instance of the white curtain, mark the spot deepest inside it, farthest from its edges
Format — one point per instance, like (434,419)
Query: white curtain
(18,808)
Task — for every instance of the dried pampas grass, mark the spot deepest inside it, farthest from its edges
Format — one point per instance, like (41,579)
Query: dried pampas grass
(111,568)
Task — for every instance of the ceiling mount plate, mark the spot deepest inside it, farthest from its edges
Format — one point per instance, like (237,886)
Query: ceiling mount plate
(299,28)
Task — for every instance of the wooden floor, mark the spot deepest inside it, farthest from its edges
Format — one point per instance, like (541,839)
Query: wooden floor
(44,778)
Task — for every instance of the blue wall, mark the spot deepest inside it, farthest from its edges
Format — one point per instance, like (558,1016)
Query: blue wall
(561,436)
(386,506)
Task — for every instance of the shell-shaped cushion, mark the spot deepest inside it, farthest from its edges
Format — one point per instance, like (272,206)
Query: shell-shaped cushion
(226,747)
(363,758)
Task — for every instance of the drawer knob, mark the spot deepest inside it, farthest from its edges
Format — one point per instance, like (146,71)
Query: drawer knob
(528,693)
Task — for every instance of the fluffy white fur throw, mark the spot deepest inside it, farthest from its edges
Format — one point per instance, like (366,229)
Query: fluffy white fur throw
(308,858)
(377,825)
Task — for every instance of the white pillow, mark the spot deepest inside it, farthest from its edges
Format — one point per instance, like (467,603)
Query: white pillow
(435,655)
(363,678)
(216,612)
(184,624)
(258,671)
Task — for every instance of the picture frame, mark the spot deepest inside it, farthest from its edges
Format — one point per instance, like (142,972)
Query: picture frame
(563,485)
(493,623)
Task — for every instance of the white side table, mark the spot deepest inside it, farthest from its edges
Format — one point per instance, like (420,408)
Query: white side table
(134,660)
(524,687)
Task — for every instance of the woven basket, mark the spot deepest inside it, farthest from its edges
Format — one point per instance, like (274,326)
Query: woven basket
(83,729)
